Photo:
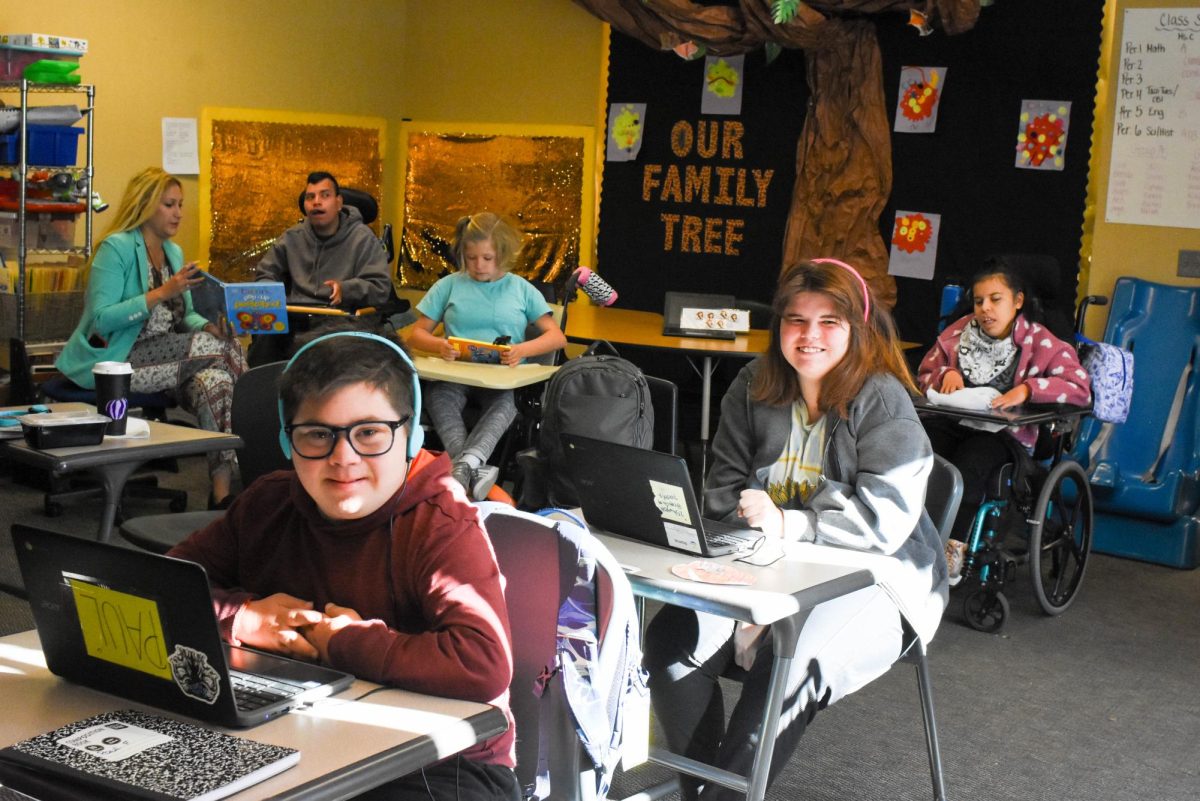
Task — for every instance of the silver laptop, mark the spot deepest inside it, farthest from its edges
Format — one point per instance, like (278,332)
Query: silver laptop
(647,495)
(674,304)
(141,626)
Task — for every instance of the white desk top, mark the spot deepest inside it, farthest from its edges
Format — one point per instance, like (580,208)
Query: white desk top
(488,376)
(346,746)
(789,586)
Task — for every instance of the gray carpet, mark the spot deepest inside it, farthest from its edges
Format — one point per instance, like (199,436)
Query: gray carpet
(1100,704)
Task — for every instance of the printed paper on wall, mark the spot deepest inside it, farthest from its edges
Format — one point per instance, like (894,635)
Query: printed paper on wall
(914,244)
(723,79)
(625,122)
(919,98)
(1042,134)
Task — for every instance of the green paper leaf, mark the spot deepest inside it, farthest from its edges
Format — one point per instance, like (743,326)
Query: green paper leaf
(773,51)
(784,10)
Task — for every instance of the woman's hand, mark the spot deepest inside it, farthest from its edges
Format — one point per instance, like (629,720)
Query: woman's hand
(952,381)
(176,285)
(758,510)
(1014,397)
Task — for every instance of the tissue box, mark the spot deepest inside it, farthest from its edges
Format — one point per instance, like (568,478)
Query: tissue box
(63,429)
(45,41)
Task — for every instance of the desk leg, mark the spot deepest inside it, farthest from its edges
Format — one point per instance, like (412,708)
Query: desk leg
(112,477)
(706,374)
(784,634)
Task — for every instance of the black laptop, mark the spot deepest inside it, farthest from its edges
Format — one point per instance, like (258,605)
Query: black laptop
(676,302)
(646,495)
(141,626)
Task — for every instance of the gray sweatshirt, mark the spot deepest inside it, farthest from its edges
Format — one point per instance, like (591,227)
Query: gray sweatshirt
(353,256)
(871,493)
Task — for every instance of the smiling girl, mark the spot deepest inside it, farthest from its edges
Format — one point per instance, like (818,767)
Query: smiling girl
(818,442)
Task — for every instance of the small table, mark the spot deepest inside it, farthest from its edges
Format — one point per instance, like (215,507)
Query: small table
(645,329)
(346,746)
(784,594)
(114,460)
(1029,414)
(487,376)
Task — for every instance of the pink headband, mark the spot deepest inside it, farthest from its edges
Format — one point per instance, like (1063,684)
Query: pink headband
(861,282)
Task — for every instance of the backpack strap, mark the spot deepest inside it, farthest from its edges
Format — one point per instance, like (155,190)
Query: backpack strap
(1151,475)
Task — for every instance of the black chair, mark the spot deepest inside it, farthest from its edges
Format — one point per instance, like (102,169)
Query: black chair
(664,396)
(58,388)
(255,415)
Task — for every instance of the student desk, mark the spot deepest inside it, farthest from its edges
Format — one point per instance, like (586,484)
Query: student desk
(346,746)
(644,329)
(488,376)
(782,597)
(113,461)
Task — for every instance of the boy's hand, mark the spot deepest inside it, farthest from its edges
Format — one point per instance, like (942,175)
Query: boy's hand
(952,381)
(276,624)
(334,620)
(335,292)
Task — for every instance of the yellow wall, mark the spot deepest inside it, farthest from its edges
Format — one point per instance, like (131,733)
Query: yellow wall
(510,60)
(1149,252)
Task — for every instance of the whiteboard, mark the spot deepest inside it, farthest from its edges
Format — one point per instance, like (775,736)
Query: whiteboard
(1154,173)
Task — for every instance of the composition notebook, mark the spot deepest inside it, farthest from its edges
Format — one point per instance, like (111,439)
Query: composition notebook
(140,755)
(251,307)
(141,626)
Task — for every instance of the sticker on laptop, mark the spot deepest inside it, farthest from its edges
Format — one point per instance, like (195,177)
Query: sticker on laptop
(671,502)
(119,627)
(715,319)
(194,675)
(684,537)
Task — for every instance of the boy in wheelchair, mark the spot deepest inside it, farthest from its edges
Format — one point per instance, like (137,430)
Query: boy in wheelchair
(1001,357)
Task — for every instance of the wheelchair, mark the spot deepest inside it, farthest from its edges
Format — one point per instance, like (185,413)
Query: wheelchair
(1037,511)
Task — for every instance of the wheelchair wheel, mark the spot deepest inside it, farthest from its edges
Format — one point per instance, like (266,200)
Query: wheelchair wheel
(1060,536)
(985,610)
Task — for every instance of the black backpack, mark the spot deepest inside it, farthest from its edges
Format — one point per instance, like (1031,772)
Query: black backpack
(600,396)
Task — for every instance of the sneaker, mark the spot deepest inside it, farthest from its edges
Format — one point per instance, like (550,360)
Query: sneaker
(955,552)
(464,475)
(484,479)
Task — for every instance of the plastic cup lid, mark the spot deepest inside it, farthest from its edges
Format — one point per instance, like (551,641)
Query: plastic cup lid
(112,368)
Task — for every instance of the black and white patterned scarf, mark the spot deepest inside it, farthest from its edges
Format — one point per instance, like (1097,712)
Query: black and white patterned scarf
(982,359)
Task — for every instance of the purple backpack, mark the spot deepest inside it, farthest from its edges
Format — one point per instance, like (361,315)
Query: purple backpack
(1111,371)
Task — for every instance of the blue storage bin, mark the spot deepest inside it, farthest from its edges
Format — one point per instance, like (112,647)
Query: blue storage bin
(10,150)
(53,145)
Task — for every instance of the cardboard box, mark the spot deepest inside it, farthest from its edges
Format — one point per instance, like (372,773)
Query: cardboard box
(45,41)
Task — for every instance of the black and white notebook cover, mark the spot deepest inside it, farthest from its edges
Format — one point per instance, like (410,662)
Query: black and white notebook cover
(132,754)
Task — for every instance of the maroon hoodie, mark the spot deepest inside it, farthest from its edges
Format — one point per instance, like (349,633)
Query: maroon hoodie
(420,571)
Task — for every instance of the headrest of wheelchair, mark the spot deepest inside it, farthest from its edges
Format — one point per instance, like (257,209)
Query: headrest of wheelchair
(366,205)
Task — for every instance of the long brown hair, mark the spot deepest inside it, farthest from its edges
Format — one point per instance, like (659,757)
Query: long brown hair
(873,347)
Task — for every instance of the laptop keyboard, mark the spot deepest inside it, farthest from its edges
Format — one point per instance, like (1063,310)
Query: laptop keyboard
(252,692)
(719,533)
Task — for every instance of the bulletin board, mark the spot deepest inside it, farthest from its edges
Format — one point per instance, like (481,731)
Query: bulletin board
(1154,173)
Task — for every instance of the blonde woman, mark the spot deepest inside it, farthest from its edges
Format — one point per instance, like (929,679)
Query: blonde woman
(139,310)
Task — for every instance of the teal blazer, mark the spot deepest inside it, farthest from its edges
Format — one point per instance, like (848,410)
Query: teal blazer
(115,308)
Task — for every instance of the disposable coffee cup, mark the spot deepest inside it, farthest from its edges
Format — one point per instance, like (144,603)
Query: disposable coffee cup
(112,393)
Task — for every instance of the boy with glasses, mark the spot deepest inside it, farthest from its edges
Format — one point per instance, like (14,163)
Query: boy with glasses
(368,557)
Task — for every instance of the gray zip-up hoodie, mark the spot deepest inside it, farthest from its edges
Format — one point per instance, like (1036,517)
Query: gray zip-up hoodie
(353,257)
(871,493)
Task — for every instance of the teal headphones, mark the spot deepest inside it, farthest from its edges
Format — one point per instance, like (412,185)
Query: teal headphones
(416,435)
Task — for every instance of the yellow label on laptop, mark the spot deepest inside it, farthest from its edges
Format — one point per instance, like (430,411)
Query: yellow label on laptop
(671,502)
(715,319)
(121,628)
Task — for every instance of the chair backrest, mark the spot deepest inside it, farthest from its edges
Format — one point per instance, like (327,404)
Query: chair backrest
(531,331)
(943,495)
(664,396)
(539,563)
(255,416)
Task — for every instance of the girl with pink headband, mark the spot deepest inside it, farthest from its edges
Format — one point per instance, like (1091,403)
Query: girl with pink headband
(818,442)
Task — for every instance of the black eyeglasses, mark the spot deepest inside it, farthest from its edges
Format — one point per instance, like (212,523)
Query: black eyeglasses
(368,438)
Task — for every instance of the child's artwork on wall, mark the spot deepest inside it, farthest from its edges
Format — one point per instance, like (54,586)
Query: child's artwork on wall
(723,79)
(914,244)
(919,98)
(625,123)
(1042,134)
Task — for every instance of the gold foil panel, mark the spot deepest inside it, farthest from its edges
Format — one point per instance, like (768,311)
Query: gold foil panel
(536,181)
(258,172)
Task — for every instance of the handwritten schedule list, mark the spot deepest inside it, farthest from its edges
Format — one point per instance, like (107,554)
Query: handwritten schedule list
(1154,177)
